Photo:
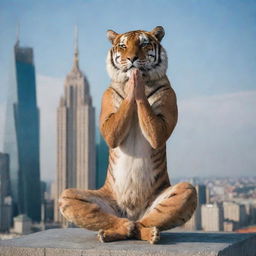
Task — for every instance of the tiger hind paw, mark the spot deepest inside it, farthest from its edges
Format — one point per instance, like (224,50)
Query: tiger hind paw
(155,235)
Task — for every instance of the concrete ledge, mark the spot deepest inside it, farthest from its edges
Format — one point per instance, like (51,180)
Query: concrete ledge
(79,242)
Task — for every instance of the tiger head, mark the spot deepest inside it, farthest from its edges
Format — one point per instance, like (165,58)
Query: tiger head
(136,49)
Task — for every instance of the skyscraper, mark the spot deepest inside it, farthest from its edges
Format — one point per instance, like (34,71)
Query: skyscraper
(10,134)
(22,134)
(75,135)
(101,160)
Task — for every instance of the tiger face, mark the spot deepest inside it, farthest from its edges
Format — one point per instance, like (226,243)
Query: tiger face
(136,49)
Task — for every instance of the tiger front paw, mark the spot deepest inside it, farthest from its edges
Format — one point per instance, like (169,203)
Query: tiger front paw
(102,236)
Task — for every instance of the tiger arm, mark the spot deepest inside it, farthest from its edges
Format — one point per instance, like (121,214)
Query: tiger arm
(157,128)
(115,124)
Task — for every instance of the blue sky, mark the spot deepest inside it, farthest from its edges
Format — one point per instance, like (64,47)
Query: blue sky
(212,64)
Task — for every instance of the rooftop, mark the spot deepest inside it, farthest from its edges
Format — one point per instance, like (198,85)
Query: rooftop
(76,241)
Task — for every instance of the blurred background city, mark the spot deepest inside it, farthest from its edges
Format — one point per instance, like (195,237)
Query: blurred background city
(52,70)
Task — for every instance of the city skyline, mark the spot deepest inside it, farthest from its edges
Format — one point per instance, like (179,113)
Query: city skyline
(211,67)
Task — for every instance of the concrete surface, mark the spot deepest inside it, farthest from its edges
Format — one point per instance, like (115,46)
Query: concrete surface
(79,242)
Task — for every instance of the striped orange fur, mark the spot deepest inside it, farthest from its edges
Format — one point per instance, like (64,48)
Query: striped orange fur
(138,115)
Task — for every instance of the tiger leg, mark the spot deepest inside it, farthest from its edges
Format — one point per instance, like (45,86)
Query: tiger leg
(92,210)
(170,209)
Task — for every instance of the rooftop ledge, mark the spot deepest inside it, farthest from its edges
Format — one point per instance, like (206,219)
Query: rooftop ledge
(79,242)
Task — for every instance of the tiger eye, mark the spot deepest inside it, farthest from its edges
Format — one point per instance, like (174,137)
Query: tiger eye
(122,46)
(145,44)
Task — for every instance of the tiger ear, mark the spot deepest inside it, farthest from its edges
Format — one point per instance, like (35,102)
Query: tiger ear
(111,35)
(158,32)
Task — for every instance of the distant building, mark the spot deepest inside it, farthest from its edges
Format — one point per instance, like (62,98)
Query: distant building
(212,217)
(21,140)
(52,192)
(47,206)
(202,198)
(75,136)
(218,190)
(229,226)
(47,211)
(43,190)
(101,160)
(252,214)
(22,224)
(235,212)
(5,194)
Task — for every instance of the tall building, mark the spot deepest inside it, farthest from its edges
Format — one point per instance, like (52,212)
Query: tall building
(101,159)
(235,212)
(202,198)
(5,194)
(75,135)
(212,217)
(22,134)
(10,134)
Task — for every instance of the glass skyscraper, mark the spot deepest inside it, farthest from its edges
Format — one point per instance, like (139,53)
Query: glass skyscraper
(101,159)
(22,134)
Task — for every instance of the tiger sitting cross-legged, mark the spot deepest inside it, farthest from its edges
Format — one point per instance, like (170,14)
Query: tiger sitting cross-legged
(138,115)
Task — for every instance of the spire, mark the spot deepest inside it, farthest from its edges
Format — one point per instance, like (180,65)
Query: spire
(76,57)
(17,35)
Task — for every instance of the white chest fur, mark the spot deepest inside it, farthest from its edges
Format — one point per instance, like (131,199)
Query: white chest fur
(133,172)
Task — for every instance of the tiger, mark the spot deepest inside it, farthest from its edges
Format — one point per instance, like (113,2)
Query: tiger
(138,114)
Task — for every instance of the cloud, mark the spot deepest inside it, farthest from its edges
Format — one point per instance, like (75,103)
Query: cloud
(215,136)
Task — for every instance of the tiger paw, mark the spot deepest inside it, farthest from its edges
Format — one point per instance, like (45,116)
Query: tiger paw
(101,236)
(155,235)
(150,234)
(115,234)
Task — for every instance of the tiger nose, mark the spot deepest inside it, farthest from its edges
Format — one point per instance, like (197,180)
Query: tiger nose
(132,59)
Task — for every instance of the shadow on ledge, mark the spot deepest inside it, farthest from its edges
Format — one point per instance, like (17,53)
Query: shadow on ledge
(200,237)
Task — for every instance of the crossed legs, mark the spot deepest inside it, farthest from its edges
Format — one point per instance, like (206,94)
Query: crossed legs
(93,210)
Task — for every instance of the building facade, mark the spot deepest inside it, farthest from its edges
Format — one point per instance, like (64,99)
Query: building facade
(236,213)
(5,194)
(75,136)
(22,135)
(212,217)
(22,224)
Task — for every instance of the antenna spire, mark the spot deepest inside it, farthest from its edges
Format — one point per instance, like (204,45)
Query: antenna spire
(18,34)
(76,39)
(76,53)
